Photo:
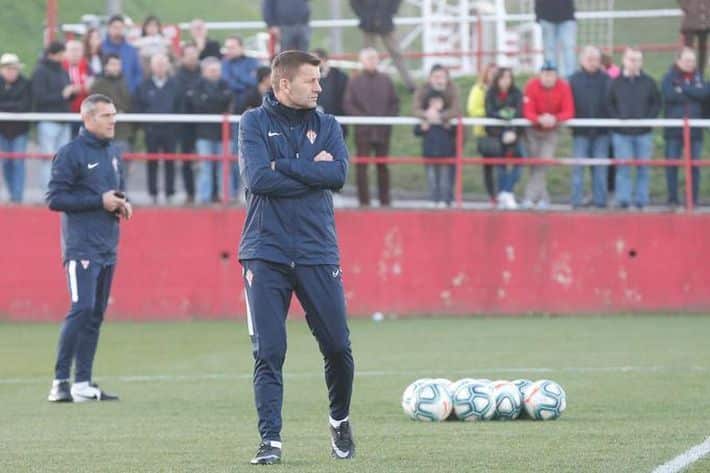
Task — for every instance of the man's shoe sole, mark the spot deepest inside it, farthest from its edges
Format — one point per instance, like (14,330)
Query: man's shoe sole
(266,461)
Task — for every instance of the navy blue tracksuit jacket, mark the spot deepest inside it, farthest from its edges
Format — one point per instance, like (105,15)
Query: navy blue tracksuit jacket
(289,246)
(82,171)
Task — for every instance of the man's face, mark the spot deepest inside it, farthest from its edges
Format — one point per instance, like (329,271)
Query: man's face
(113,67)
(687,62)
(102,121)
(548,78)
(190,57)
(591,62)
(369,61)
(304,88)
(75,51)
(212,71)
(438,80)
(115,31)
(233,48)
(10,73)
(633,62)
(159,66)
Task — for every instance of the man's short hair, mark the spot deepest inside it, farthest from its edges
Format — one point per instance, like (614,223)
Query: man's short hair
(437,67)
(262,73)
(114,18)
(88,105)
(55,47)
(287,63)
(321,53)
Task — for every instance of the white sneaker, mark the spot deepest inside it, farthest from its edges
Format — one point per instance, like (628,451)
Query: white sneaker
(543,205)
(511,204)
(502,200)
(441,205)
(527,204)
(86,391)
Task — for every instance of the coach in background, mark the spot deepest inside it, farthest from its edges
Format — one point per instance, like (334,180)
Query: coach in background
(684,93)
(15,97)
(633,95)
(293,157)
(52,92)
(371,93)
(87,187)
(334,82)
(547,102)
(288,22)
(589,88)
(160,93)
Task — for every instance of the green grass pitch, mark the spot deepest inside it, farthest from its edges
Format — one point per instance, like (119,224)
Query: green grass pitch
(637,387)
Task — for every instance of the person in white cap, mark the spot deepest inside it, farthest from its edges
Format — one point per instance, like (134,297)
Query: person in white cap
(15,97)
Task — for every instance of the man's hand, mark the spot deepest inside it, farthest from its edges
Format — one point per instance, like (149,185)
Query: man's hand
(323,156)
(68,91)
(275,32)
(547,120)
(126,211)
(112,202)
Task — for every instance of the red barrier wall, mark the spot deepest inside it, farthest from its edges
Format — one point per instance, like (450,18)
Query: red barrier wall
(179,263)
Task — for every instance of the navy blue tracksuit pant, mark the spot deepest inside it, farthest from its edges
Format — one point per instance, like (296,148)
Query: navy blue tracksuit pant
(89,288)
(269,287)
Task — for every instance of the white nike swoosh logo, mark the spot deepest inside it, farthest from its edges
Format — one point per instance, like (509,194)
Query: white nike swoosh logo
(274,133)
(335,273)
(92,166)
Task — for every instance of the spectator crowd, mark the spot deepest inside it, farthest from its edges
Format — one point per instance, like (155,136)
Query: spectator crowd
(204,76)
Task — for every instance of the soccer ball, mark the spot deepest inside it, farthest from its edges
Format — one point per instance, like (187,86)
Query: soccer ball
(431,402)
(545,400)
(507,398)
(523,385)
(446,383)
(455,385)
(473,401)
(408,396)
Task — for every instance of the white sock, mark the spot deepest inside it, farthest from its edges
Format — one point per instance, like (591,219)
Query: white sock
(82,385)
(56,382)
(336,423)
(275,443)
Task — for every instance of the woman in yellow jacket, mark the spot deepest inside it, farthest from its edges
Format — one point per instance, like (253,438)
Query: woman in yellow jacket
(476,107)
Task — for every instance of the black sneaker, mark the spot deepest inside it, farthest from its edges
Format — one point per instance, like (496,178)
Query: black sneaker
(60,392)
(341,440)
(267,454)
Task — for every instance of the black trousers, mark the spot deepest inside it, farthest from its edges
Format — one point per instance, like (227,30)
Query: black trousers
(161,142)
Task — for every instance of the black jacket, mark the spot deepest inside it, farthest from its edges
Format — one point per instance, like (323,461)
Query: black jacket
(285,12)
(251,98)
(555,11)
(683,97)
(82,171)
(438,141)
(495,106)
(330,99)
(590,92)
(48,81)
(633,97)
(376,15)
(150,98)
(208,97)
(15,98)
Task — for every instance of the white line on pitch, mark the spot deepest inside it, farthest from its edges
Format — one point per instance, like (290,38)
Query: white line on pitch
(469,372)
(685,459)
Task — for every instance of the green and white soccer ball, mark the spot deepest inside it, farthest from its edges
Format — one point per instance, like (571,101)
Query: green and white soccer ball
(523,385)
(473,401)
(507,398)
(545,400)
(408,396)
(455,385)
(431,402)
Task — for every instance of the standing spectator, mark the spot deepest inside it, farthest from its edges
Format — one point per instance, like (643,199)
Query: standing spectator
(92,51)
(159,94)
(205,46)
(696,24)
(15,97)
(115,43)
(684,92)
(239,71)
(438,141)
(476,107)
(590,85)
(334,82)
(288,23)
(151,42)
(112,85)
(613,71)
(504,101)
(548,102)
(52,92)
(376,19)
(211,95)
(372,93)
(559,33)
(78,69)
(633,95)
(187,76)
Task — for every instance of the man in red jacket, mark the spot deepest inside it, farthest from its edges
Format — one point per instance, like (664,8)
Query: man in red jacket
(547,102)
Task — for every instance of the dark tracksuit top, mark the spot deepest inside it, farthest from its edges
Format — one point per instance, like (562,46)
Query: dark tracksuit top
(290,216)
(82,171)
